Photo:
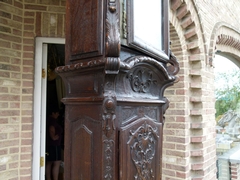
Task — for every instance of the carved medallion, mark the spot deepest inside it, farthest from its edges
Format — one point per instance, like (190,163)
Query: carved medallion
(141,80)
(143,145)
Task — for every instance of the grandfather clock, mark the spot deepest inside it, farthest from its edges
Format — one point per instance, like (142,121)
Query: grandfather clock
(118,65)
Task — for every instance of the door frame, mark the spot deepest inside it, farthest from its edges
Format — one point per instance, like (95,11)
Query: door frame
(39,104)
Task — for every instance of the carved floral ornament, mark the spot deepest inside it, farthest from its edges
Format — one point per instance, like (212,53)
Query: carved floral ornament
(141,80)
(142,143)
(108,152)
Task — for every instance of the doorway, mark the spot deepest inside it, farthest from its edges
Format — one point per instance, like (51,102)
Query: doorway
(48,91)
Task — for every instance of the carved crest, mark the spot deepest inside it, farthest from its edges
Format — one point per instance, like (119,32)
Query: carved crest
(143,144)
(141,80)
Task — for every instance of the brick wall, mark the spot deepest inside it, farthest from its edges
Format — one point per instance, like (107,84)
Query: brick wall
(20,23)
(235,171)
(198,25)
(14,139)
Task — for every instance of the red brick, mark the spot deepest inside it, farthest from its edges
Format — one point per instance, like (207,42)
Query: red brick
(38,23)
(3,121)
(9,143)
(177,167)
(27,127)
(28,34)
(197,166)
(15,75)
(60,24)
(198,139)
(177,139)
(14,150)
(28,27)
(3,167)
(26,112)
(187,21)
(35,7)
(17,18)
(28,69)
(28,62)
(10,38)
(27,98)
(182,11)
(25,156)
(26,134)
(28,20)
(183,175)
(25,164)
(26,149)
(5,15)
(17,46)
(9,113)
(15,105)
(175,4)
(29,13)
(18,4)
(26,120)
(26,142)
(197,153)
(17,32)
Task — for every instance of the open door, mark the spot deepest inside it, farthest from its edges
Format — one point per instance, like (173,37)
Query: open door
(40,103)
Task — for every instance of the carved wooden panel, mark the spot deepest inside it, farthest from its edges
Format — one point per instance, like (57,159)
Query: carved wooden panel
(83,137)
(82,149)
(77,87)
(84,29)
(140,150)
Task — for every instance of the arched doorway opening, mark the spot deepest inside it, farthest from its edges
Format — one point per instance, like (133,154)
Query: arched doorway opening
(227,105)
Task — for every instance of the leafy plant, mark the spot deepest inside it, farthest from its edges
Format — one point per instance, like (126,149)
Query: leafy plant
(227,92)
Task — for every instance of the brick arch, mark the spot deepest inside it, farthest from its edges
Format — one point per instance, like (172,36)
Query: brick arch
(228,52)
(188,118)
(191,27)
(170,150)
(225,40)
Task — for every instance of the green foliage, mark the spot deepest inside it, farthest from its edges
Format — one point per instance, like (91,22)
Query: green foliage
(227,92)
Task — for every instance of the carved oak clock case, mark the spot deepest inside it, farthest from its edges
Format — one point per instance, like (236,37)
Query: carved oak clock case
(114,106)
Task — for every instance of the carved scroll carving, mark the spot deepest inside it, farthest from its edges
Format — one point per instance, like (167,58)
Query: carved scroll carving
(133,61)
(173,66)
(143,144)
(112,30)
(112,65)
(141,80)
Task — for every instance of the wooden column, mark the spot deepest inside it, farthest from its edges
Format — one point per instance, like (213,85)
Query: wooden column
(114,101)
